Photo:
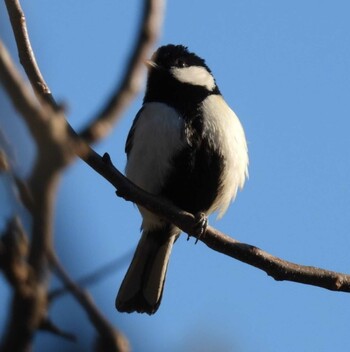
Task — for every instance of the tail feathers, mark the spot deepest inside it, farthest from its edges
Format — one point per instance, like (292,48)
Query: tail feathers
(142,287)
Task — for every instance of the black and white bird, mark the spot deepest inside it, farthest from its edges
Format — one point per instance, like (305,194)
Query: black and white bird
(187,146)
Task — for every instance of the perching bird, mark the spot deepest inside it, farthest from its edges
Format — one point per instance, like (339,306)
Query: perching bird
(187,146)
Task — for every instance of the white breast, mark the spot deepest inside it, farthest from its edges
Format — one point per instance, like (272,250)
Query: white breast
(225,134)
(157,137)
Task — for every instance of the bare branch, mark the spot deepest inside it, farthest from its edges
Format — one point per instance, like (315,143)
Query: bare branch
(277,268)
(96,276)
(57,144)
(108,333)
(49,326)
(4,164)
(26,54)
(28,309)
(28,302)
(39,118)
(131,82)
(15,247)
(43,190)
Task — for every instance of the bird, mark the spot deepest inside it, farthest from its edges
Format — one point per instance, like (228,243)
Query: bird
(187,146)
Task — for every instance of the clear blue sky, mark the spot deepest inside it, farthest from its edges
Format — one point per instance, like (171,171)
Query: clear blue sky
(284,67)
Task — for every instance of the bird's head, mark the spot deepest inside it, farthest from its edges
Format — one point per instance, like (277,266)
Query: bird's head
(176,62)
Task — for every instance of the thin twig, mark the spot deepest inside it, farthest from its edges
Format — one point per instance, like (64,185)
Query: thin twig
(130,84)
(96,276)
(26,53)
(108,333)
(49,326)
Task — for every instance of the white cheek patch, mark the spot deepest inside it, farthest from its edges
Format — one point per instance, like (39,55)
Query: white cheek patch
(195,75)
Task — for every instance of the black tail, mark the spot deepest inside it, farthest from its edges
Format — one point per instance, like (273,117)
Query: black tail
(142,287)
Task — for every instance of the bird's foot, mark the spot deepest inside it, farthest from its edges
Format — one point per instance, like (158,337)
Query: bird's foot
(200,226)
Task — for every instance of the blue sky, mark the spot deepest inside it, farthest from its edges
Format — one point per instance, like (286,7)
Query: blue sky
(284,67)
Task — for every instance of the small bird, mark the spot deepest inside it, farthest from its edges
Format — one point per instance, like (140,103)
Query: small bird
(187,146)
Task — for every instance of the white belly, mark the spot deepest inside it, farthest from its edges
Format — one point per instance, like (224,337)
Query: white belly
(158,136)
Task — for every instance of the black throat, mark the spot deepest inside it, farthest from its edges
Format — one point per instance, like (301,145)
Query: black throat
(183,97)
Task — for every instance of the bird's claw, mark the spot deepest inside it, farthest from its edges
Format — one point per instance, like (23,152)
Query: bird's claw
(200,226)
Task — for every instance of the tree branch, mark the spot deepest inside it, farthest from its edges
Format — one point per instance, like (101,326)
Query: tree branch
(277,268)
(57,145)
(102,123)
(56,134)
(130,84)
(273,266)
(96,276)
(109,336)
(28,310)
(26,54)
(62,144)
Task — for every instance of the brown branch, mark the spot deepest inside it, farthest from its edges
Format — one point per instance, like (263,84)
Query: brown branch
(28,310)
(49,326)
(96,276)
(4,164)
(57,144)
(108,333)
(28,301)
(273,266)
(15,246)
(277,268)
(26,54)
(130,84)
(58,134)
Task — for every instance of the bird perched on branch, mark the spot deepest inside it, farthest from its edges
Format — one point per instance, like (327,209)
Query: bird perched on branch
(187,146)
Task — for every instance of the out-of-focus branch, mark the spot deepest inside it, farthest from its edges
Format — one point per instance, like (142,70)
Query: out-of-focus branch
(108,333)
(4,164)
(49,326)
(57,144)
(28,303)
(96,276)
(28,310)
(14,251)
(26,54)
(130,84)
(57,133)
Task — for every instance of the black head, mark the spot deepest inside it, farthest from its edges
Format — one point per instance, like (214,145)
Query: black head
(170,56)
(176,74)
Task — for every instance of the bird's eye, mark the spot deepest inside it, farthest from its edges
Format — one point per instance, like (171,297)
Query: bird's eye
(180,63)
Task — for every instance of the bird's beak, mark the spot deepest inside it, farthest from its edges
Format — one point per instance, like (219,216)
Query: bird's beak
(150,64)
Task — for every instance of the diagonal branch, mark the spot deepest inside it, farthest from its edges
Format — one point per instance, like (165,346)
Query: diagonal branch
(96,276)
(277,268)
(26,54)
(130,84)
(102,123)
(273,266)
(108,333)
